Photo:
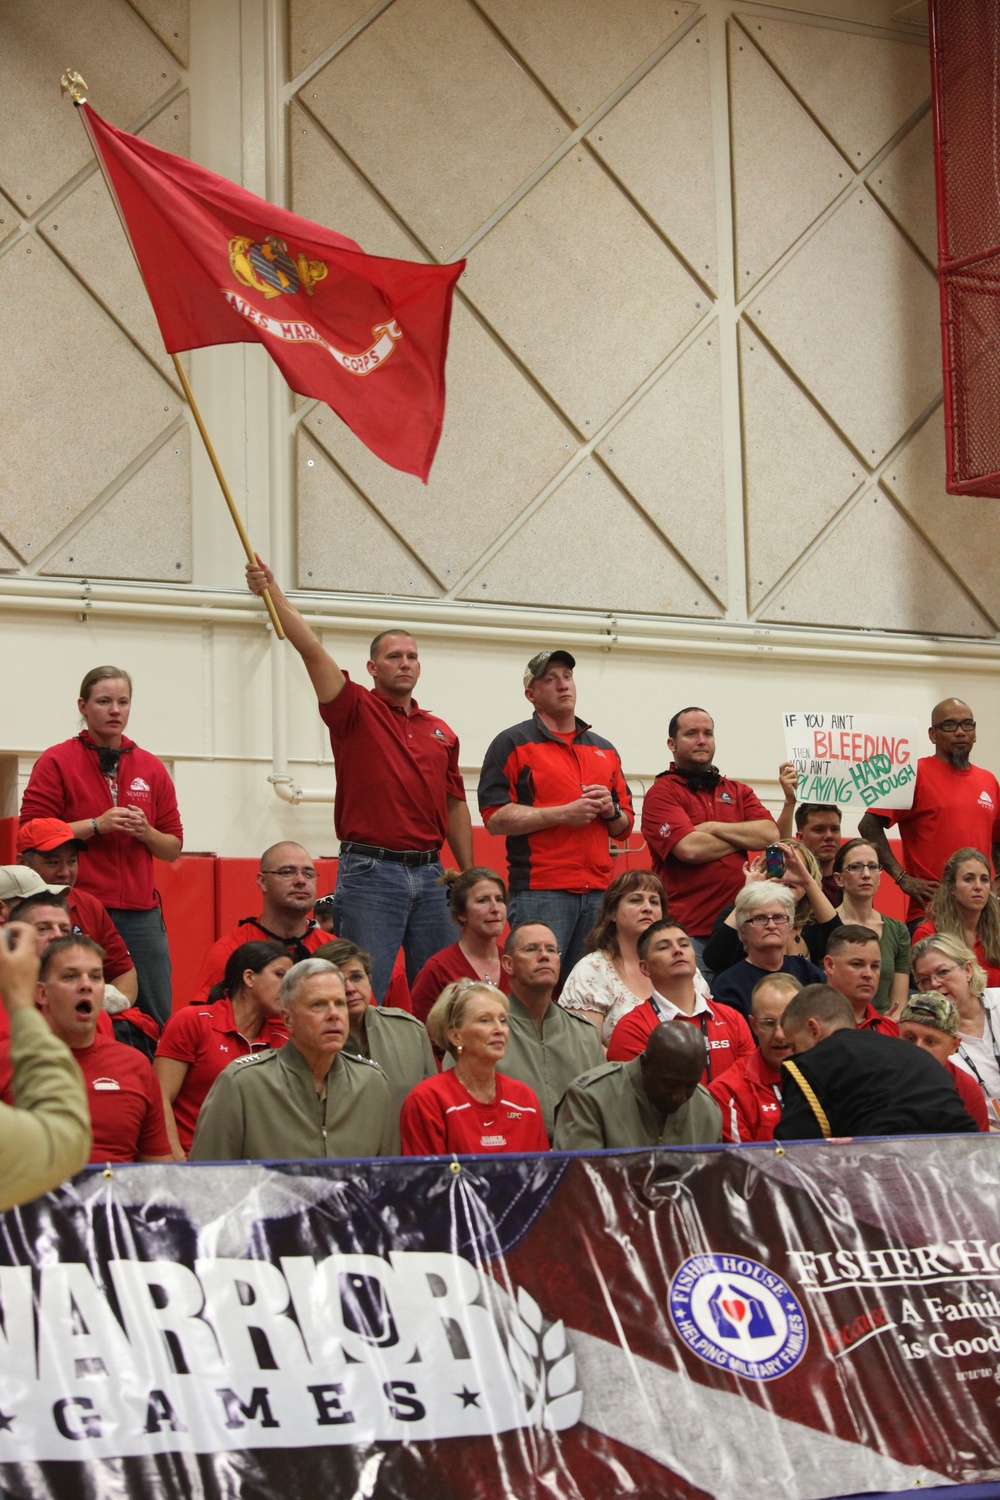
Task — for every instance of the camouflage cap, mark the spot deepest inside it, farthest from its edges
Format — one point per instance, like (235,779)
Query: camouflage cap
(932,1009)
(538,664)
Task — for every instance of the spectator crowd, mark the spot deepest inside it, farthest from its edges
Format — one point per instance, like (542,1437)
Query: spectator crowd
(745,988)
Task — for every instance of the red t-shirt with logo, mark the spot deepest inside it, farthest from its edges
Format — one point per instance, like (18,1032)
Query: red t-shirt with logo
(205,1037)
(440,1116)
(727,1035)
(126,1105)
(951,810)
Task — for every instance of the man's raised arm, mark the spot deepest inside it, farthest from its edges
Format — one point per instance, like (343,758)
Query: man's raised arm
(325,675)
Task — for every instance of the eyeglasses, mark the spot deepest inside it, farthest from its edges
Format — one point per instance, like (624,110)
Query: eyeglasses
(932,981)
(952,726)
(288,872)
(763,918)
(765,1024)
(860,868)
(534,948)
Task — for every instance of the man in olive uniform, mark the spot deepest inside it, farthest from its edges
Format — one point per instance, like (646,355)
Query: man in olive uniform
(311,1098)
(391,1037)
(656,1099)
(547,1047)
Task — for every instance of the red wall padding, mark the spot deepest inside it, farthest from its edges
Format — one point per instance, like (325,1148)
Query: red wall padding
(965,44)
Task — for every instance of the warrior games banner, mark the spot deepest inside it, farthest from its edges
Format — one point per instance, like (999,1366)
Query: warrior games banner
(815,1320)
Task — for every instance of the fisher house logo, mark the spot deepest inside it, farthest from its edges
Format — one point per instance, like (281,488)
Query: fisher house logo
(736,1314)
(271,269)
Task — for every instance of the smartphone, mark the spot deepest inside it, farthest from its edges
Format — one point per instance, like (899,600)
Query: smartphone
(774,862)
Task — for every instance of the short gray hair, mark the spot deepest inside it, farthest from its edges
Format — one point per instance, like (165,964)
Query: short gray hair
(297,975)
(752,897)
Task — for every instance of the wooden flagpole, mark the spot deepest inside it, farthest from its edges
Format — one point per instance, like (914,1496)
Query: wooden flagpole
(72,84)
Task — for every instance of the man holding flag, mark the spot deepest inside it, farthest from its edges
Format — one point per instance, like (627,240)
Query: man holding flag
(399,795)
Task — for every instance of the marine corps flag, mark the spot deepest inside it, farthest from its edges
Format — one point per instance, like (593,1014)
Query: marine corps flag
(365,334)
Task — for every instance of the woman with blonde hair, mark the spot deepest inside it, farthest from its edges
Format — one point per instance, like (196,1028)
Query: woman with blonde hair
(965,907)
(942,962)
(471,1108)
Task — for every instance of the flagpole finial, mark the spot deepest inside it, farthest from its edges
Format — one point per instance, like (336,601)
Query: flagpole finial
(72,84)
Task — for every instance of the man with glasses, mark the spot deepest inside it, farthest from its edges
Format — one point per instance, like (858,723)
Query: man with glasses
(764,915)
(853,964)
(547,1047)
(287,880)
(956,805)
(749,1093)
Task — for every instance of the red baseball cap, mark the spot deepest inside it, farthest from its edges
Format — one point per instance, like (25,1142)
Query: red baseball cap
(46,834)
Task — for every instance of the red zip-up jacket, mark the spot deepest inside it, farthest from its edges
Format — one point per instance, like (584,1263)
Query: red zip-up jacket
(530,765)
(66,782)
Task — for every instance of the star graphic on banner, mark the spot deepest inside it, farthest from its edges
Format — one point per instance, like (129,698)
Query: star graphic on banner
(467,1397)
(6,1423)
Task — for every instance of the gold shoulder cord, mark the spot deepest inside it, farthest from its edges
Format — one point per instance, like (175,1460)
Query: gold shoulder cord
(811,1100)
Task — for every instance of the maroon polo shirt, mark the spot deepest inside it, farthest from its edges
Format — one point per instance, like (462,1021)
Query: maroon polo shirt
(395,771)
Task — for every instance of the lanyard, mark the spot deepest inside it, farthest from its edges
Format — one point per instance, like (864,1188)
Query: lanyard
(987,1031)
(702,1019)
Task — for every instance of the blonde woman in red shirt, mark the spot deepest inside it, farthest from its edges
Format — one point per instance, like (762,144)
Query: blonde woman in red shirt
(471,1108)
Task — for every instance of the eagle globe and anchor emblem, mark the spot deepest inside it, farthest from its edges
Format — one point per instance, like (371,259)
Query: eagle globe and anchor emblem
(268,266)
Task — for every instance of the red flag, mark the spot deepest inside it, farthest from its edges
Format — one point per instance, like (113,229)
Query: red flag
(365,334)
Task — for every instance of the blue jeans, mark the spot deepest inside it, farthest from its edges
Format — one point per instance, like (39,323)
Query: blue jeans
(145,937)
(383,906)
(569,914)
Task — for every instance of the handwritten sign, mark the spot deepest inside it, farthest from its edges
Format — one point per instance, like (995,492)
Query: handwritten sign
(852,760)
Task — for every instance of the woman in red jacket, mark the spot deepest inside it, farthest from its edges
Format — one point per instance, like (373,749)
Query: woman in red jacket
(471,1108)
(120,803)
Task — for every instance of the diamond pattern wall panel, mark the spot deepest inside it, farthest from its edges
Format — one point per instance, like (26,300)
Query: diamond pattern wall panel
(797,471)
(314,25)
(501,444)
(170,20)
(904,184)
(667,116)
(956,524)
(44,144)
(343,543)
(144,530)
(432,107)
(873,571)
(855,315)
(861,88)
(583,290)
(85,231)
(667,452)
(785,172)
(10,219)
(588,547)
(101,412)
(583,49)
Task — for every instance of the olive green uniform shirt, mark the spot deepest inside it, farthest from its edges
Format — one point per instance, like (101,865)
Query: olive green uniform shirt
(399,1043)
(265,1107)
(609,1107)
(47,1137)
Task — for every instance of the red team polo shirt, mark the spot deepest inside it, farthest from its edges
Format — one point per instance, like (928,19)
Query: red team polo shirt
(727,1035)
(441,969)
(873,1020)
(395,771)
(440,1116)
(205,1037)
(696,893)
(749,1095)
(951,810)
(126,1106)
